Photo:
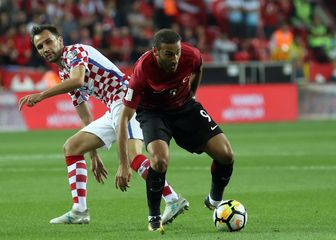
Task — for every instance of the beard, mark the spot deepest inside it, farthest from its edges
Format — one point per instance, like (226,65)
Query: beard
(52,57)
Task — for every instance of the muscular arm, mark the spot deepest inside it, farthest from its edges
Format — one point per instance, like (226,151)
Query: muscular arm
(196,80)
(123,173)
(84,113)
(75,81)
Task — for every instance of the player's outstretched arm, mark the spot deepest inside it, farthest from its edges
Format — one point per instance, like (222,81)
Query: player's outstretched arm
(76,80)
(123,175)
(30,100)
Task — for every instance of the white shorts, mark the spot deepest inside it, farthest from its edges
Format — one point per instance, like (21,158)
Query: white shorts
(105,127)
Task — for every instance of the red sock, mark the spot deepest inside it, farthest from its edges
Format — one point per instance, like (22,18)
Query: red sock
(77,174)
(140,164)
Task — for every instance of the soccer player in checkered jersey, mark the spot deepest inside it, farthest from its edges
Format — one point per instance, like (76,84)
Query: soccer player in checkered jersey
(85,71)
(161,92)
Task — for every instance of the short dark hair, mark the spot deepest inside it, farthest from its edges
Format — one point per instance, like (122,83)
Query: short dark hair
(165,36)
(37,29)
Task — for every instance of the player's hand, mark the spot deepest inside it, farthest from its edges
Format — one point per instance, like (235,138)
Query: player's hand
(123,177)
(98,168)
(30,100)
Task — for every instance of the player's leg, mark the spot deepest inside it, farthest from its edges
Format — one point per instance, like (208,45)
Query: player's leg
(219,149)
(197,132)
(159,152)
(91,137)
(74,150)
(175,204)
(139,162)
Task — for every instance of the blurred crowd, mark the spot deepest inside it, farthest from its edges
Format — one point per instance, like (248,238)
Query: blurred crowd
(224,30)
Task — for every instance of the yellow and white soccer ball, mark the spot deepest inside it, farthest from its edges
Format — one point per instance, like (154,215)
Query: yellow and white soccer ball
(230,215)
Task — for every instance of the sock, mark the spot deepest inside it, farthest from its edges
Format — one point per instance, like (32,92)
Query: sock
(213,202)
(154,186)
(77,174)
(220,178)
(140,164)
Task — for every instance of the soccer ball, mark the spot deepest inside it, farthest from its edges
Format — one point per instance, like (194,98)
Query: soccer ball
(230,215)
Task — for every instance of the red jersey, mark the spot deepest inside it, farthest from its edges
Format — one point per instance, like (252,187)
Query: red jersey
(150,87)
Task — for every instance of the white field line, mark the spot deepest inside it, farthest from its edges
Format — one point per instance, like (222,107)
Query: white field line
(194,168)
(13,157)
(25,169)
(56,156)
(284,168)
(60,157)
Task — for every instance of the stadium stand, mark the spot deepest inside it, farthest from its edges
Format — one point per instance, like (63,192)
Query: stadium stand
(224,30)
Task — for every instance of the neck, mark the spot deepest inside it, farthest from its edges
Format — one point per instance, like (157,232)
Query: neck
(58,62)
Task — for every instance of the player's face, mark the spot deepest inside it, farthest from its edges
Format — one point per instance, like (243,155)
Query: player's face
(168,56)
(48,46)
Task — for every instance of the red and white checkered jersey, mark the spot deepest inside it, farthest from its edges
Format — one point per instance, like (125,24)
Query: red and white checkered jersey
(103,79)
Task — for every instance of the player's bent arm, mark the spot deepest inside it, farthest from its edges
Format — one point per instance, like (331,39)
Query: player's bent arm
(84,113)
(75,81)
(126,113)
(196,80)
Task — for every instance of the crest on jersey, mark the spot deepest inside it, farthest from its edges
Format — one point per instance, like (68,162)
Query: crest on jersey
(129,95)
(72,54)
(173,91)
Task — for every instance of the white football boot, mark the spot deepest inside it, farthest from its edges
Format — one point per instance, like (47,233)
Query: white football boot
(173,209)
(72,217)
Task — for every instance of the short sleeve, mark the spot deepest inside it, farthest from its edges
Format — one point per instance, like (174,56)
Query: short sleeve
(77,56)
(135,87)
(78,97)
(198,60)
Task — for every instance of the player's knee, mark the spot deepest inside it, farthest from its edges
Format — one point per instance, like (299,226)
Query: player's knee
(159,164)
(70,148)
(67,148)
(226,155)
(229,157)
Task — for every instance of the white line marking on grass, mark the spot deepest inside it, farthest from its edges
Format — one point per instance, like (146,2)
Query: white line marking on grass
(174,154)
(272,153)
(30,157)
(284,168)
(284,154)
(21,170)
(277,168)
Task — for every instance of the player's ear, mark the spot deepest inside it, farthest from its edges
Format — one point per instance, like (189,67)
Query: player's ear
(155,51)
(60,39)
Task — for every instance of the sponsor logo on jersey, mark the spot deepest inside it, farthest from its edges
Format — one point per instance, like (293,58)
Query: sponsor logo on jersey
(129,95)
(72,54)
(173,92)
(187,78)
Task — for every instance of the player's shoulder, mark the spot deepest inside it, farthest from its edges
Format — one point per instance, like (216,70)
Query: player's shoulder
(71,51)
(76,46)
(145,57)
(189,51)
(145,60)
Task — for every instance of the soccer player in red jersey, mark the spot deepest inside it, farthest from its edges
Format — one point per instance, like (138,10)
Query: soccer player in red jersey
(86,72)
(161,91)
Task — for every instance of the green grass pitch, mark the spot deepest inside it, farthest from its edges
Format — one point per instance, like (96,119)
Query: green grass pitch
(285,175)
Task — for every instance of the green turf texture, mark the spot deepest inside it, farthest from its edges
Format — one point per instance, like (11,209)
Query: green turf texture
(284,174)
